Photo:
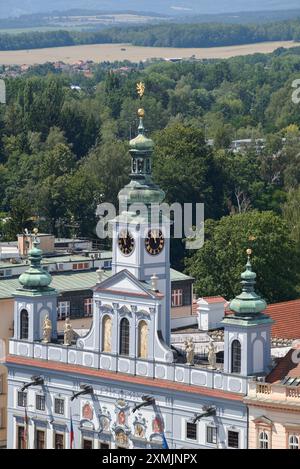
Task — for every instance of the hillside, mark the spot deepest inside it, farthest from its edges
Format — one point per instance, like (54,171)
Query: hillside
(170,7)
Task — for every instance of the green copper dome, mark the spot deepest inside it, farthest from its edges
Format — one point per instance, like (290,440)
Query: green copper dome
(35,278)
(248,302)
(141,188)
(141,142)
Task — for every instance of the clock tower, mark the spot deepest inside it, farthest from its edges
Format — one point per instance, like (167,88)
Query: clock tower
(141,240)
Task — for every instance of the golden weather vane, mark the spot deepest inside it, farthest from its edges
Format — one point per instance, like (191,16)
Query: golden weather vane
(140,89)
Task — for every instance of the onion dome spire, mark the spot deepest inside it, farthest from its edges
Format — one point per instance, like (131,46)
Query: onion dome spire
(35,278)
(248,303)
(141,188)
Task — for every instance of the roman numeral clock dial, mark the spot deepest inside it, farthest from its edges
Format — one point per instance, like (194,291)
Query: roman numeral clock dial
(154,242)
(126,242)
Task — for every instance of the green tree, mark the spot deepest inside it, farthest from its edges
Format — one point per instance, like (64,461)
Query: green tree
(217,266)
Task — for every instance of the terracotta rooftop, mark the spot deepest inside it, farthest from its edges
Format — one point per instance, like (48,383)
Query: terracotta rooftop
(287,319)
(284,368)
(213,299)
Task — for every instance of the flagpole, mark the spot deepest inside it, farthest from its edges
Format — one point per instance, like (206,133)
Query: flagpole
(26,442)
(71,430)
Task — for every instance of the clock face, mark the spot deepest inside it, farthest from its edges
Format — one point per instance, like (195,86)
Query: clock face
(126,242)
(154,242)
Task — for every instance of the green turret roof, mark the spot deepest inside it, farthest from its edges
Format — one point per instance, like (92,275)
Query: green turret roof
(141,188)
(248,303)
(35,278)
(141,142)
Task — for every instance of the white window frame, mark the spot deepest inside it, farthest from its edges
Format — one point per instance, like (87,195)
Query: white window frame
(239,438)
(64,405)
(185,431)
(43,396)
(177,297)
(263,440)
(294,445)
(88,307)
(40,429)
(26,399)
(215,429)
(63,310)
(63,434)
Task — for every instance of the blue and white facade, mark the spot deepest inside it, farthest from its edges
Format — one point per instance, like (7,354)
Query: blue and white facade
(125,360)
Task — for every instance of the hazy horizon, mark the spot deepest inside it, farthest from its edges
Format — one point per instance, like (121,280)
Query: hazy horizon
(167,7)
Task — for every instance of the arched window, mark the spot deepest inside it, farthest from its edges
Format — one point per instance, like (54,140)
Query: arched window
(143,340)
(293,442)
(263,440)
(124,337)
(236,357)
(24,324)
(106,334)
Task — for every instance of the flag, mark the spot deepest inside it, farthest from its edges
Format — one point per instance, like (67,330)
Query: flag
(71,432)
(164,443)
(25,436)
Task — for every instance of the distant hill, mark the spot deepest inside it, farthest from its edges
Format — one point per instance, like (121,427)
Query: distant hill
(166,7)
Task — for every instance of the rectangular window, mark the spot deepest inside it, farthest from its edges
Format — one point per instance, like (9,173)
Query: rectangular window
(22,399)
(59,441)
(87,443)
(88,307)
(177,297)
(59,406)
(60,267)
(104,445)
(40,402)
(233,439)
(40,439)
(21,437)
(81,266)
(63,310)
(191,431)
(211,434)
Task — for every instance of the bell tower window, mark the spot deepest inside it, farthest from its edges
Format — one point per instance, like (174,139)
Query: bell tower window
(24,323)
(236,357)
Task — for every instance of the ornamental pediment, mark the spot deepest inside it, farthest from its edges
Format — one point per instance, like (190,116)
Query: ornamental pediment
(125,283)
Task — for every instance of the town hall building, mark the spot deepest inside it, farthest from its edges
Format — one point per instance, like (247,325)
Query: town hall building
(122,385)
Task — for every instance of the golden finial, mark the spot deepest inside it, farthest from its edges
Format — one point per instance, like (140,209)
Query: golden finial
(249,252)
(140,88)
(35,231)
(141,112)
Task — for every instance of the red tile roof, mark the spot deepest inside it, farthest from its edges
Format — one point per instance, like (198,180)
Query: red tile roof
(287,319)
(123,378)
(284,368)
(214,299)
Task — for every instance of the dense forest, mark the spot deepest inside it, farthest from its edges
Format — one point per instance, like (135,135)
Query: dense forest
(164,35)
(63,151)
